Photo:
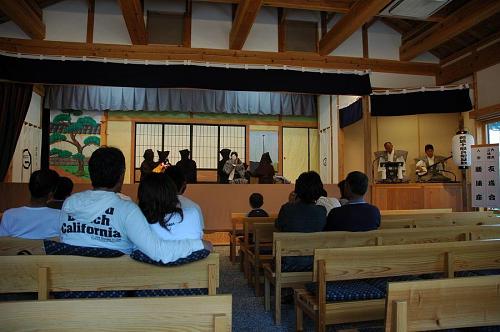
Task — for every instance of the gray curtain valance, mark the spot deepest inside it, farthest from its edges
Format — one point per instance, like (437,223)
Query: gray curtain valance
(98,98)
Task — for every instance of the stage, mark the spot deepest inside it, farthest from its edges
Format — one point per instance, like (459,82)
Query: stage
(410,196)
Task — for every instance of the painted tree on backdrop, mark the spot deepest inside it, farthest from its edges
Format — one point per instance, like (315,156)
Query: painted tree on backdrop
(71,135)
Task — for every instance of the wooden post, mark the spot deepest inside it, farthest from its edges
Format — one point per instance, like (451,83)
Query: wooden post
(367,134)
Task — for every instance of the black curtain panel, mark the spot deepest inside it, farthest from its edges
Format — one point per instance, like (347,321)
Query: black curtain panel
(427,102)
(14,103)
(351,114)
(180,76)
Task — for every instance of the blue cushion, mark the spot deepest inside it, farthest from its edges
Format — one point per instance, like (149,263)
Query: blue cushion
(297,264)
(487,272)
(171,292)
(59,248)
(89,295)
(461,274)
(381,283)
(195,256)
(348,290)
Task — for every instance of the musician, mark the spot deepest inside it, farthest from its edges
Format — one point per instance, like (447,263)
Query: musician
(430,166)
(393,155)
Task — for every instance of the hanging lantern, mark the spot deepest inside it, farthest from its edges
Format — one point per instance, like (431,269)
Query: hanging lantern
(461,149)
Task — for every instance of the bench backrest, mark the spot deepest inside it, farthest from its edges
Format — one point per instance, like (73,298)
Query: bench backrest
(443,304)
(419,211)
(248,226)
(47,273)
(193,313)
(263,233)
(408,259)
(303,244)
(444,219)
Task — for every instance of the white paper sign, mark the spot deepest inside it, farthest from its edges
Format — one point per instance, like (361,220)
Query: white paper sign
(485,176)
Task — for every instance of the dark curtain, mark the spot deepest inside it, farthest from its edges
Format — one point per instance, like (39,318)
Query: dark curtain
(181,76)
(428,102)
(14,102)
(351,114)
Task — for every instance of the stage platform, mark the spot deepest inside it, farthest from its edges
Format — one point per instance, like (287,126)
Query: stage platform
(411,196)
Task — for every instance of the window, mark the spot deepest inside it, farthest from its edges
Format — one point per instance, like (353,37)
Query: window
(493,132)
(165,28)
(204,142)
(301,36)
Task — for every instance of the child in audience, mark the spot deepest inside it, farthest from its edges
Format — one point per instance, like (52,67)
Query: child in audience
(167,218)
(100,218)
(63,190)
(256,201)
(36,220)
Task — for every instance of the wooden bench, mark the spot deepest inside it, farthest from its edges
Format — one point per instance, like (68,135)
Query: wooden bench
(247,243)
(263,239)
(190,313)
(443,304)
(46,273)
(303,244)
(362,263)
(418,211)
(236,231)
(438,220)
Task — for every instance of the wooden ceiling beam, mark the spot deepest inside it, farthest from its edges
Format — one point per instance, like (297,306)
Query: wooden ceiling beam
(134,19)
(491,38)
(22,12)
(477,60)
(464,18)
(164,52)
(361,12)
(245,16)
(340,6)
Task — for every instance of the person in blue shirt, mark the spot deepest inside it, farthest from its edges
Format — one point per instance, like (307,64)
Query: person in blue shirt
(356,215)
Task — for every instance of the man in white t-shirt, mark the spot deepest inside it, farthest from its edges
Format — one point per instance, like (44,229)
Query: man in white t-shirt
(101,218)
(36,220)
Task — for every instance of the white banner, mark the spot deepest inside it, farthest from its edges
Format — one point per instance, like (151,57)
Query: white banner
(485,176)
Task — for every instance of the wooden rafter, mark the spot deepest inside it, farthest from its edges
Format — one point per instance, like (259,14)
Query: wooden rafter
(245,16)
(27,15)
(90,21)
(341,6)
(471,48)
(281,29)
(134,19)
(464,18)
(362,12)
(164,52)
(477,60)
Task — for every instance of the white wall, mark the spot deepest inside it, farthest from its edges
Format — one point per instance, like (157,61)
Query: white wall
(353,46)
(11,30)
(488,81)
(390,80)
(211,25)
(30,139)
(383,42)
(66,21)
(264,33)
(109,25)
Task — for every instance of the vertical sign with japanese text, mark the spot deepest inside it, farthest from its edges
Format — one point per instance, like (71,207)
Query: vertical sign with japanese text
(485,176)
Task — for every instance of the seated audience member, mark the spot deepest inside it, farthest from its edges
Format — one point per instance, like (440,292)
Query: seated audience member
(328,203)
(357,215)
(160,204)
(63,190)
(256,201)
(176,175)
(100,218)
(343,199)
(301,214)
(36,220)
